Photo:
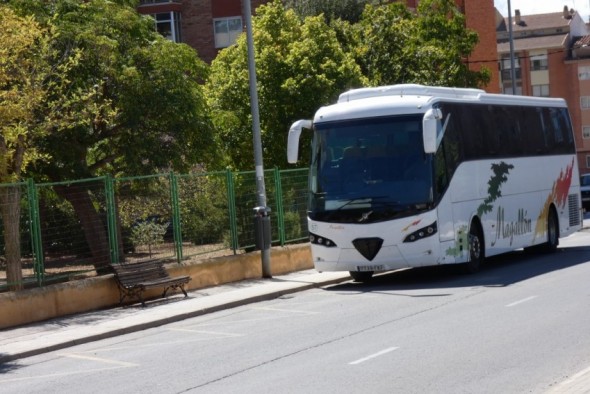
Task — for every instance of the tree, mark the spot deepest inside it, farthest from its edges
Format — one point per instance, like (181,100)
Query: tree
(134,102)
(348,10)
(24,83)
(394,45)
(300,66)
(148,233)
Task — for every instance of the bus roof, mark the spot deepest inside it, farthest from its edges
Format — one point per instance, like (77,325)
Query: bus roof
(411,98)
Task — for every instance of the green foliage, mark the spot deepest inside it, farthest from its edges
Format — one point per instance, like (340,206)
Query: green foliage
(394,45)
(204,223)
(300,66)
(204,209)
(24,74)
(148,233)
(133,103)
(348,10)
(293,226)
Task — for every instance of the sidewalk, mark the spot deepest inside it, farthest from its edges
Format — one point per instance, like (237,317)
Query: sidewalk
(55,334)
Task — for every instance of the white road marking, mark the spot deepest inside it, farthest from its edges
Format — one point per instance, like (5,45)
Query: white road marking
(58,374)
(286,310)
(117,365)
(228,322)
(99,359)
(381,353)
(216,333)
(521,301)
(579,383)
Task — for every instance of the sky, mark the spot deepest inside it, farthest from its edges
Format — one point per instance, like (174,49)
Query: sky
(529,7)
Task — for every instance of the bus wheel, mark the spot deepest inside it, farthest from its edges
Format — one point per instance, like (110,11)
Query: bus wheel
(476,250)
(361,276)
(552,232)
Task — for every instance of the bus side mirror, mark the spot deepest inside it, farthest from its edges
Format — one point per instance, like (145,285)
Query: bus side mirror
(293,140)
(429,128)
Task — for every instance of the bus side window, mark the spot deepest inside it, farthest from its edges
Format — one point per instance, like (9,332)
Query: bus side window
(532,126)
(448,156)
(472,131)
(559,127)
(509,129)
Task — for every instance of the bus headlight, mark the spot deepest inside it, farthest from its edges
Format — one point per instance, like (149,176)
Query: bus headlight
(323,241)
(422,233)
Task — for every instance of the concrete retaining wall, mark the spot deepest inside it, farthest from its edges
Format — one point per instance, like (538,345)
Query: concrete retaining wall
(33,305)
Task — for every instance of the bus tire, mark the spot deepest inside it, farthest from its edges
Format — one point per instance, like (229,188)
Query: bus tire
(552,232)
(476,250)
(361,276)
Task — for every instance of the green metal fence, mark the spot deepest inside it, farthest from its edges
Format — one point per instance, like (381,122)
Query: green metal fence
(52,232)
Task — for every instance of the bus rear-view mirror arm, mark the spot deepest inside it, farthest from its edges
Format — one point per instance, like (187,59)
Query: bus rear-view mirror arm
(293,140)
(429,129)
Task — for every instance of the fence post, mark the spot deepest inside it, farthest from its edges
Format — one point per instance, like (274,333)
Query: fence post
(111,218)
(176,228)
(35,229)
(231,200)
(280,210)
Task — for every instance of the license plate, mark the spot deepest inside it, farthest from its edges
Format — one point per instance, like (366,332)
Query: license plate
(369,268)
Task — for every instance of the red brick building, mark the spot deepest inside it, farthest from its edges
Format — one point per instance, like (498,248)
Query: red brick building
(551,58)
(206,25)
(210,25)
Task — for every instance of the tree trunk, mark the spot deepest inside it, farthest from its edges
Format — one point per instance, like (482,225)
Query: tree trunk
(10,213)
(95,230)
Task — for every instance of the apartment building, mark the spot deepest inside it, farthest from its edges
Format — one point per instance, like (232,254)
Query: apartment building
(206,25)
(551,58)
(211,25)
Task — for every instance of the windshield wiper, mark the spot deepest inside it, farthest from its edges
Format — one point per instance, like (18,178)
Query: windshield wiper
(365,200)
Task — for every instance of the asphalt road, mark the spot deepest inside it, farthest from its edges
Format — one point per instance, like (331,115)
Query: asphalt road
(521,325)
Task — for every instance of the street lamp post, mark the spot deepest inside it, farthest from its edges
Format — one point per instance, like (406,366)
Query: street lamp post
(511,39)
(261,212)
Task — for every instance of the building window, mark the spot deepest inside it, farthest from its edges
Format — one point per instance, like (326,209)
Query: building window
(506,62)
(539,62)
(168,25)
(587,161)
(541,90)
(585,102)
(584,72)
(506,73)
(507,88)
(585,132)
(227,31)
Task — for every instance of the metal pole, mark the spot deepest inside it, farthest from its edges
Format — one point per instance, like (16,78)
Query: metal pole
(262,210)
(511,39)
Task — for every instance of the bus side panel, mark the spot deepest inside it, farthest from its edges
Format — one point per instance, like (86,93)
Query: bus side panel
(511,198)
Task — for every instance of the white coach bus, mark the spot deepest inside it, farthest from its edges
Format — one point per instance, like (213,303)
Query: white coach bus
(410,175)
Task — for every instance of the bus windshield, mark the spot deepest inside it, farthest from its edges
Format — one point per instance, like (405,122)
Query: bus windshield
(369,170)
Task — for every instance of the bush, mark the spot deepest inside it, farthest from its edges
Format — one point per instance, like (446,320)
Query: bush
(148,233)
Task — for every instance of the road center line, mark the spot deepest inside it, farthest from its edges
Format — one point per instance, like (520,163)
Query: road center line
(382,352)
(521,301)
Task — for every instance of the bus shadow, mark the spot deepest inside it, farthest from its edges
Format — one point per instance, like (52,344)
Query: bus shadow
(498,271)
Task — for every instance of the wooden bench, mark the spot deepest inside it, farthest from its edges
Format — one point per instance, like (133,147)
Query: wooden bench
(135,278)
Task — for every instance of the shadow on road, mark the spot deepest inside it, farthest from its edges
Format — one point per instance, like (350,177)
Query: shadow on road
(498,271)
